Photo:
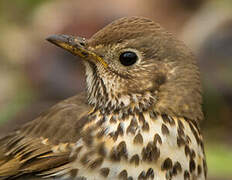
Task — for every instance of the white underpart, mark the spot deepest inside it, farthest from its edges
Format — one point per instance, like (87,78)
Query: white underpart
(168,148)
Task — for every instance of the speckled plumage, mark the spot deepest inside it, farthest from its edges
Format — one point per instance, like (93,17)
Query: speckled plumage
(136,122)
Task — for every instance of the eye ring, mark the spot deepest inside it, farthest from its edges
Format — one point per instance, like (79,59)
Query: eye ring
(128,58)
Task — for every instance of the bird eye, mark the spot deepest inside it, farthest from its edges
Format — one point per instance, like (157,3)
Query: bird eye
(128,58)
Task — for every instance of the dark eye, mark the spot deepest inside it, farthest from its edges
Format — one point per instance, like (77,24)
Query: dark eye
(128,58)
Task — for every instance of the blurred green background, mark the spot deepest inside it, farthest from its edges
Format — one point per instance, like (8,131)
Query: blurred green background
(35,75)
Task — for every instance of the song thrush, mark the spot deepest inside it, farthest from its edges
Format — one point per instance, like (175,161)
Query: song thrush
(138,119)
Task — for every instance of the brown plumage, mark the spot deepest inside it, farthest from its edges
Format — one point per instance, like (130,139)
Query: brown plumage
(138,120)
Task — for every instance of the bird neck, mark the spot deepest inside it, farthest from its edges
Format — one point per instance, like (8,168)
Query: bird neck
(108,98)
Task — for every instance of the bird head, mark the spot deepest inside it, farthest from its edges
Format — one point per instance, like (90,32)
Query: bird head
(135,64)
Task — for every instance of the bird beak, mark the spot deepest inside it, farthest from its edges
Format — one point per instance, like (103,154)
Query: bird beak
(77,46)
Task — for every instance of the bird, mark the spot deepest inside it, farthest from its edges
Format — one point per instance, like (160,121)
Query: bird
(139,117)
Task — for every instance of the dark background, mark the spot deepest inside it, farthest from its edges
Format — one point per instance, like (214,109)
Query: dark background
(35,75)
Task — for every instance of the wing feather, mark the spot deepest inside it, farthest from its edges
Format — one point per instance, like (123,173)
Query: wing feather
(43,146)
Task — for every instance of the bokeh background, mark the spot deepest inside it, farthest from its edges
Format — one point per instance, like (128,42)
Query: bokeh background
(35,74)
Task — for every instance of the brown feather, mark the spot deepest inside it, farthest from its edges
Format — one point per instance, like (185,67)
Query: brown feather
(30,149)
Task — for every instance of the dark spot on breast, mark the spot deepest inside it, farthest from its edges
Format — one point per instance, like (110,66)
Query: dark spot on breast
(157,138)
(180,141)
(176,168)
(117,153)
(172,122)
(165,118)
(130,111)
(122,150)
(141,118)
(114,155)
(96,163)
(193,154)
(120,129)
(188,139)
(138,139)
(114,135)
(123,175)
(196,125)
(192,165)
(202,146)
(101,149)
(167,164)
(133,126)
(187,151)
(194,132)
(145,126)
(164,129)
(180,132)
(142,176)
(153,115)
(199,170)
(125,116)
(135,159)
(150,152)
(150,173)
(168,175)
(186,175)
(180,124)
(104,172)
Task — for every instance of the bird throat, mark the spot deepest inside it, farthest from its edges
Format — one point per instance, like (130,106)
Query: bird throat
(103,94)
